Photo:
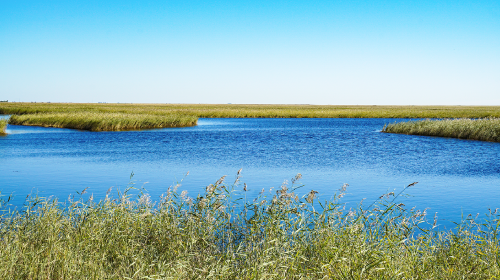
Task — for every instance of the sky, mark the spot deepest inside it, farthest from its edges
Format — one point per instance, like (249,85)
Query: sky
(259,52)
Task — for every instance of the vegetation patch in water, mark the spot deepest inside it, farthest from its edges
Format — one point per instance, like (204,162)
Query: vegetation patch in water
(221,235)
(3,126)
(476,129)
(95,121)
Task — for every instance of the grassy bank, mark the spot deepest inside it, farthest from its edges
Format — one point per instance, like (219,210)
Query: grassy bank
(259,111)
(3,126)
(95,121)
(220,235)
(476,129)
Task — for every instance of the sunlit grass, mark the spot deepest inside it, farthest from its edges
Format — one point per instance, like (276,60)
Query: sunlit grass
(222,235)
(95,121)
(476,129)
(189,112)
(260,111)
(3,126)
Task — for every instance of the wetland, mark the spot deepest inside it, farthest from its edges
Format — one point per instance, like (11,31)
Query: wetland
(355,209)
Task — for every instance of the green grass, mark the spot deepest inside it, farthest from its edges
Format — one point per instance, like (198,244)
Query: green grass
(259,111)
(94,121)
(3,126)
(221,235)
(476,129)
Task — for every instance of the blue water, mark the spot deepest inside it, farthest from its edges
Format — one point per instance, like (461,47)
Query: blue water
(455,176)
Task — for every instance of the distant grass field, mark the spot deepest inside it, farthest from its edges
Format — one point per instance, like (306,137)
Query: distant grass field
(475,129)
(3,126)
(103,116)
(99,121)
(260,111)
(222,235)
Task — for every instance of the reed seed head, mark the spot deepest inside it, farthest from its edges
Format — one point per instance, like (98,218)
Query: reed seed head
(311,196)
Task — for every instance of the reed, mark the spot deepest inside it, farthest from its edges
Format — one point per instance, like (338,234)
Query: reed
(487,129)
(258,111)
(221,235)
(95,121)
(3,126)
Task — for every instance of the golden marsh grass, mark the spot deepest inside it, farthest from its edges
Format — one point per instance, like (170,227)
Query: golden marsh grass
(3,126)
(83,115)
(487,129)
(221,235)
(98,121)
(259,111)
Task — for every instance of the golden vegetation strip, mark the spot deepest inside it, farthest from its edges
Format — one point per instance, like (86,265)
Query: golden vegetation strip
(475,129)
(221,235)
(3,126)
(259,111)
(84,115)
(95,121)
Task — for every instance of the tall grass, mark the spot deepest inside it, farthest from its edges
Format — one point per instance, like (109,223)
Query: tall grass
(259,111)
(3,126)
(221,235)
(477,129)
(103,121)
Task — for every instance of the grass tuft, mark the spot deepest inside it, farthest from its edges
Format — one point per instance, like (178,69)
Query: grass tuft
(487,129)
(94,121)
(221,235)
(3,126)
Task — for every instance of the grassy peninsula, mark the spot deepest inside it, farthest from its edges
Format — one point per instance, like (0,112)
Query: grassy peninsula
(95,121)
(3,126)
(221,235)
(487,129)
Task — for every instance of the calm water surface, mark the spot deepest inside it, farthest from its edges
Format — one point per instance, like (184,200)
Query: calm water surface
(455,176)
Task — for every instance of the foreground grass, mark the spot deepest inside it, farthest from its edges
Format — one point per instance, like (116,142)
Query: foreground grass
(94,121)
(3,126)
(220,235)
(476,129)
(259,111)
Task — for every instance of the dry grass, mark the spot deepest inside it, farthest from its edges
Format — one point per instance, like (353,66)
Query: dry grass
(82,115)
(221,235)
(94,121)
(260,111)
(476,129)
(3,126)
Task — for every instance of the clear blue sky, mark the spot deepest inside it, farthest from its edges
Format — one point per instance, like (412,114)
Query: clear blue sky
(315,52)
